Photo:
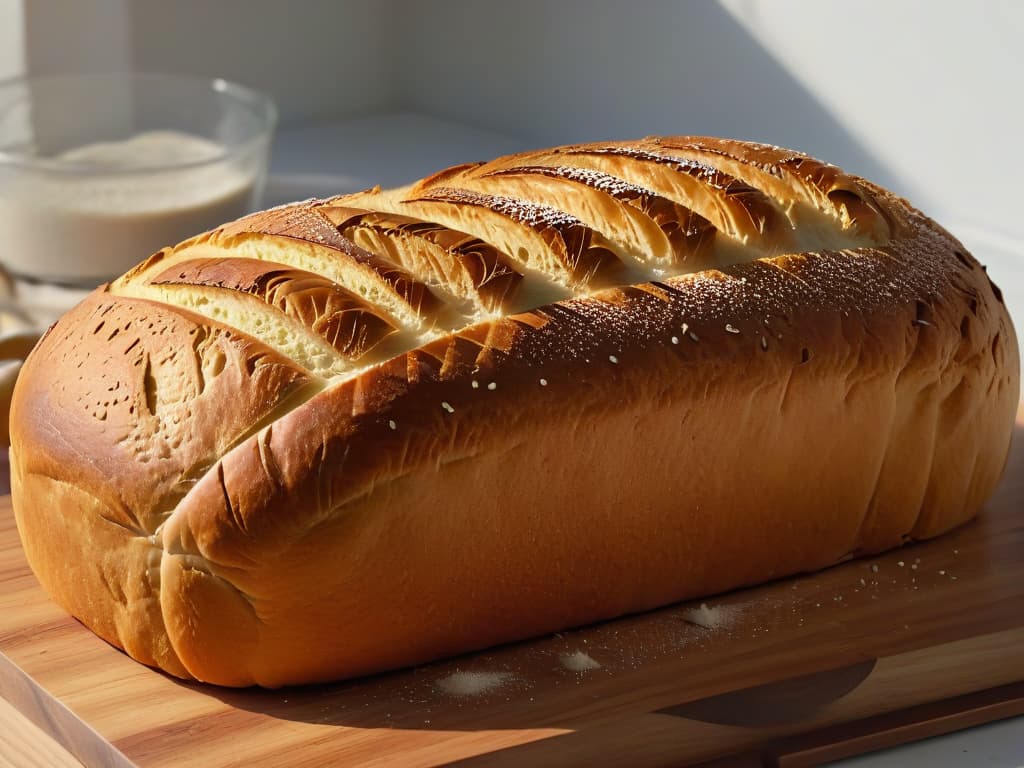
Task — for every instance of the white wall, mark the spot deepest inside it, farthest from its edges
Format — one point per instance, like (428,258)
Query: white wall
(317,57)
(923,96)
(76,36)
(12,38)
(932,88)
(920,95)
(590,69)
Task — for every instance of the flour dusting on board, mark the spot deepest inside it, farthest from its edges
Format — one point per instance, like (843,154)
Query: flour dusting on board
(718,617)
(579,662)
(472,683)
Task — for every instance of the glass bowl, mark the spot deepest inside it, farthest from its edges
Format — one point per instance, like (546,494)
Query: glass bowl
(98,171)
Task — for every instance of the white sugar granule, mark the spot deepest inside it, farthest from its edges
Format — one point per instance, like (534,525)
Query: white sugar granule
(578,662)
(472,683)
(710,618)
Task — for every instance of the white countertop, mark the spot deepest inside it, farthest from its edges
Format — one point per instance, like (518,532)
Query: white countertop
(995,745)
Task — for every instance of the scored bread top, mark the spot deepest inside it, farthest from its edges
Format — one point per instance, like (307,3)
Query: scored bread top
(308,296)
(340,284)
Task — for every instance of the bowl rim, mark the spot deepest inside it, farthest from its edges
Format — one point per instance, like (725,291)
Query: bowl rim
(262,103)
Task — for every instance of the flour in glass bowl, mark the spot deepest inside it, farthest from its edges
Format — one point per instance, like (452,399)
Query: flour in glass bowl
(97,210)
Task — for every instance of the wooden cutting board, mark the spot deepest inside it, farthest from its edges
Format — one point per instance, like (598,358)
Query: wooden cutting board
(869,653)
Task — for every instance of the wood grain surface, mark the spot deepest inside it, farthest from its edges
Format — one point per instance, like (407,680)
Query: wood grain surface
(866,654)
(24,745)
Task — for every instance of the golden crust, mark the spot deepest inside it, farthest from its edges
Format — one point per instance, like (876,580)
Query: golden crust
(602,454)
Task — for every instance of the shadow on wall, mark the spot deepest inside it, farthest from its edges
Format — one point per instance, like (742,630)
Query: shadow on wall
(585,71)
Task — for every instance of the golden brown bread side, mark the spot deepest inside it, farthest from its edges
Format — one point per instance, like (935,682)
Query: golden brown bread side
(344,436)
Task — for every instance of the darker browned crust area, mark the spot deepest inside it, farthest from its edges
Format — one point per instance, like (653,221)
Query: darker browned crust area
(579,248)
(744,200)
(690,234)
(306,222)
(489,269)
(826,183)
(342,319)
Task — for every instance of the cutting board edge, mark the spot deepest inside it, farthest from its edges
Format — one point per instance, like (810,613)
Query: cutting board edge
(54,718)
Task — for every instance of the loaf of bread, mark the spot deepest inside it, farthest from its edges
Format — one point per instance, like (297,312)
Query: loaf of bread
(350,435)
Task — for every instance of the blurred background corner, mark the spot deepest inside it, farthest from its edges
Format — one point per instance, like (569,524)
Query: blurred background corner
(919,95)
